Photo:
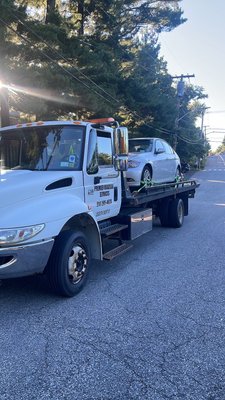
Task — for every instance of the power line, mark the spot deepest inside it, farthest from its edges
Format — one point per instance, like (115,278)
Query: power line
(67,61)
(180,93)
(218,129)
(189,141)
(215,112)
(161,130)
(110,18)
(88,44)
(85,76)
(162,42)
(49,58)
(126,110)
(215,141)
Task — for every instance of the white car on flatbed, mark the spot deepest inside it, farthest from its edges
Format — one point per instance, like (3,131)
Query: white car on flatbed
(153,160)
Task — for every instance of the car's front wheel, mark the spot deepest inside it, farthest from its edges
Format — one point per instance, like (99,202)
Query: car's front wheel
(146,175)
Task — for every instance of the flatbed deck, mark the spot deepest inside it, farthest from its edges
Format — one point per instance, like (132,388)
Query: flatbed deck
(157,192)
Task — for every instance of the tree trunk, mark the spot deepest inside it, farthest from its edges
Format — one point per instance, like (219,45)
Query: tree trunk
(4,100)
(81,12)
(50,10)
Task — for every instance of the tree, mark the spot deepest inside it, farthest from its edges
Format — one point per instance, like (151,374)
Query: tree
(148,90)
(82,32)
(191,141)
(221,148)
(85,58)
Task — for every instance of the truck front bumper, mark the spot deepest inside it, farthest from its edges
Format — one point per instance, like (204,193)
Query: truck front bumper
(23,260)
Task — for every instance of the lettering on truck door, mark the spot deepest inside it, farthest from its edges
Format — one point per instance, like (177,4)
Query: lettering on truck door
(101,180)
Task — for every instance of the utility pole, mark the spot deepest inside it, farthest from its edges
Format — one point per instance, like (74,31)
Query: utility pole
(180,93)
(203,114)
(205,131)
(4,105)
(183,76)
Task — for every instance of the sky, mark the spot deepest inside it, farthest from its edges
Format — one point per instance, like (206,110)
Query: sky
(198,47)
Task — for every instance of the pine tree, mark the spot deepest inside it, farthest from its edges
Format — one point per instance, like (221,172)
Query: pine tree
(85,58)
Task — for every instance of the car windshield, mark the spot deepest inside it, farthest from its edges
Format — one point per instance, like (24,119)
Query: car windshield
(42,148)
(140,145)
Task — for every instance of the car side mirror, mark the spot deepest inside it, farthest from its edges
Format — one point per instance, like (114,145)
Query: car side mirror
(160,150)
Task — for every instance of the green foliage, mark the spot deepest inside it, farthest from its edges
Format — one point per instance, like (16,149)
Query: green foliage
(85,58)
(191,142)
(221,149)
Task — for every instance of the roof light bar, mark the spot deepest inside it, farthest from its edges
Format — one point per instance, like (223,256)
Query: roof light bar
(101,120)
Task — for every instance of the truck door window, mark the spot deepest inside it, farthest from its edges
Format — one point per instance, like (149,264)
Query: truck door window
(105,152)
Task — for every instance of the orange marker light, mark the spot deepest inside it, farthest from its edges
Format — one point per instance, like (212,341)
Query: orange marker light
(101,120)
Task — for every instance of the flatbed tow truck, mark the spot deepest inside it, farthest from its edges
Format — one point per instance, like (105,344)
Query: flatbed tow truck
(65,200)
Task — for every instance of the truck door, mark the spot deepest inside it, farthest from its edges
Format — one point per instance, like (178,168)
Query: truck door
(102,182)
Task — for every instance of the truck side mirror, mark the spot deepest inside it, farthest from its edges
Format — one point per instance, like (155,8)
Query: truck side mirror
(121,141)
(120,136)
(120,163)
(92,158)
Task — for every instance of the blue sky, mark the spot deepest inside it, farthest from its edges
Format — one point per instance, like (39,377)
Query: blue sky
(197,47)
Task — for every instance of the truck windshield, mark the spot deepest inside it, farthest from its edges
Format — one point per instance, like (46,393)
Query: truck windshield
(42,148)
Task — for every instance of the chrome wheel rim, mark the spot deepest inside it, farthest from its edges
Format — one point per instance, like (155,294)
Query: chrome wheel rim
(77,264)
(146,175)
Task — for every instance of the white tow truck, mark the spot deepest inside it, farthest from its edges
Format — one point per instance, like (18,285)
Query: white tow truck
(64,200)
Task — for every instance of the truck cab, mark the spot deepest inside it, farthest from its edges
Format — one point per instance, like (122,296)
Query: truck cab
(77,155)
(56,177)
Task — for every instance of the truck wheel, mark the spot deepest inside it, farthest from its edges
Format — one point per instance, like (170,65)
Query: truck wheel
(68,265)
(164,213)
(176,213)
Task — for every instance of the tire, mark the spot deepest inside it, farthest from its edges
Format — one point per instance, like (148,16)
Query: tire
(164,214)
(68,265)
(146,173)
(176,213)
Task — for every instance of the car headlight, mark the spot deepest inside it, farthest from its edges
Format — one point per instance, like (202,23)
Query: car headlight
(133,164)
(17,235)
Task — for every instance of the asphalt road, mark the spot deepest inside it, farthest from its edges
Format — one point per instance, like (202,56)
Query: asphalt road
(149,325)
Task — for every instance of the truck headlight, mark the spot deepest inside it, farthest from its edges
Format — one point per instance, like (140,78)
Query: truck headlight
(17,235)
(133,164)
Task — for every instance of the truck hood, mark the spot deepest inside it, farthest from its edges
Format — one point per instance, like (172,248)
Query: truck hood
(20,185)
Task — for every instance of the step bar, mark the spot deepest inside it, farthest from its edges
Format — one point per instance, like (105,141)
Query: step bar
(111,229)
(117,251)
